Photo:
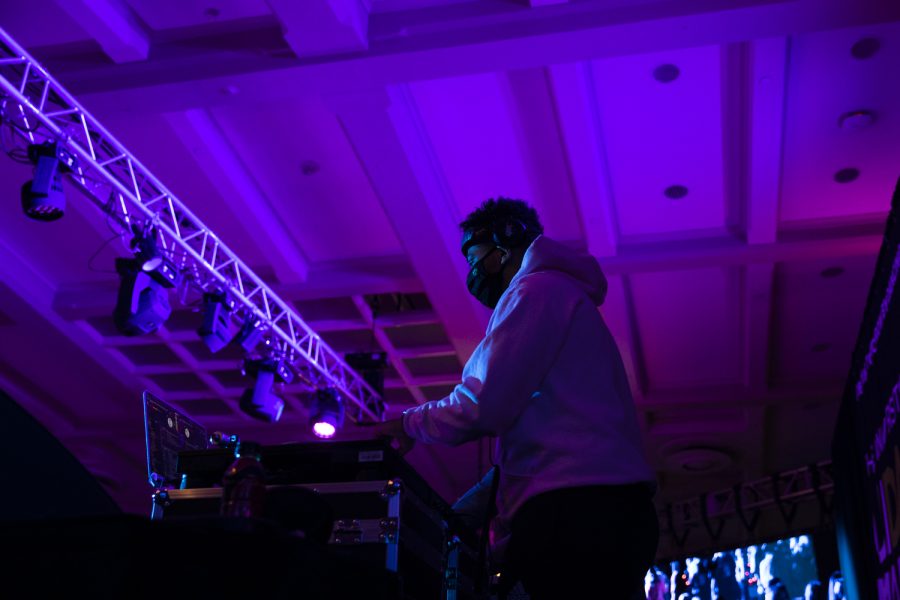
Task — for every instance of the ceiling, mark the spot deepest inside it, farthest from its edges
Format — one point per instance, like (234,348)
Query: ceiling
(730,163)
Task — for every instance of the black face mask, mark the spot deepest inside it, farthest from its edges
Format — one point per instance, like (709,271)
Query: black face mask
(486,287)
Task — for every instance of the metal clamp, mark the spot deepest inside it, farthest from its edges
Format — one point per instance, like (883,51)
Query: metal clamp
(345,524)
(161,498)
(391,488)
(389,527)
(347,537)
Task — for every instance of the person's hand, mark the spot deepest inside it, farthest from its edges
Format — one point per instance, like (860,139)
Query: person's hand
(393,430)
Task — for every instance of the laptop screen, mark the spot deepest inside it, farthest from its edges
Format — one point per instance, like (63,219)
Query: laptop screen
(168,432)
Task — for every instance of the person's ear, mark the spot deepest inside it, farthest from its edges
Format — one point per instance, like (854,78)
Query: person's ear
(504,255)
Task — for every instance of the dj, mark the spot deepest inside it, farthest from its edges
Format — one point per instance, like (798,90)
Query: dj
(574,497)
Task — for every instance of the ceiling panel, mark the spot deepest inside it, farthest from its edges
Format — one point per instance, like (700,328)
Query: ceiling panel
(187,13)
(662,134)
(795,437)
(496,135)
(159,148)
(825,83)
(310,176)
(474,136)
(689,326)
(52,28)
(816,319)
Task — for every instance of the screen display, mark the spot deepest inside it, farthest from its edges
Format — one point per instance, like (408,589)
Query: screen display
(778,570)
(168,432)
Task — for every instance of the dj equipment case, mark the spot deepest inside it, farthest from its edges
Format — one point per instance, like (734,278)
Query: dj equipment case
(396,522)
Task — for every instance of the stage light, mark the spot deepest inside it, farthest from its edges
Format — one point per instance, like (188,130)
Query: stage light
(326,413)
(251,333)
(217,328)
(153,261)
(43,198)
(142,304)
(260,401)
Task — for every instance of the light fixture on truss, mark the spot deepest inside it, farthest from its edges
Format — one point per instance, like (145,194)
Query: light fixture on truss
(143,303)
(326,413)
(218,328)
(260,401)
(38,109)
(43,197)
(153,260)
(251,333)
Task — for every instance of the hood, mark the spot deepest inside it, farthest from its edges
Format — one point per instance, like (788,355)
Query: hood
(545,254)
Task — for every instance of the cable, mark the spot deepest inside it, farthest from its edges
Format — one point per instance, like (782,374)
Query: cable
(18,154)
(97,253)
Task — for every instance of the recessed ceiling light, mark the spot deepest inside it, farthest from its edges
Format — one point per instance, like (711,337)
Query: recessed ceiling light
(676,192)
(832,272)
(666,73)
(846,175)
(856,120)
(309,167)
(821,347)
(697,460)
(865,48)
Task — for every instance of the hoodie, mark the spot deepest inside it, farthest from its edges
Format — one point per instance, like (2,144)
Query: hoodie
(548,381)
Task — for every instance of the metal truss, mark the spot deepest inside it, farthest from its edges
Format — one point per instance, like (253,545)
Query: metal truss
(746,501)
(38,109)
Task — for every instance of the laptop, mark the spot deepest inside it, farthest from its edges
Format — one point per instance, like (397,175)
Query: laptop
(168,431)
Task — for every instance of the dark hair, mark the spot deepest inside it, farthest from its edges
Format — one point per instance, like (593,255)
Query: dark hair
(493,210)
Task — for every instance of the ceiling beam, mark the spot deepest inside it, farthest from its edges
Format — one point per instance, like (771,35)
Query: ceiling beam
(421,44)
(322,27)
(761,70)
(344,278)
(80,302)
(578,119)
(619,313)
(765,82)
(738,396)
(393,147)
(757,324)
(730,252)
(223,166)
(112,23)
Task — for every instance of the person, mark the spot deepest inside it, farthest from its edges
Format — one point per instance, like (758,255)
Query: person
(836,586)
(724,585)
(814,591)
(656,585)
(574,495)
(777,591)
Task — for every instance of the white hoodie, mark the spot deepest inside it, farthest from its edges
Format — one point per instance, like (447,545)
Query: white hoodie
(548,381)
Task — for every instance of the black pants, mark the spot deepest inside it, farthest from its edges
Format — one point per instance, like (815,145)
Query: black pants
(584,542)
